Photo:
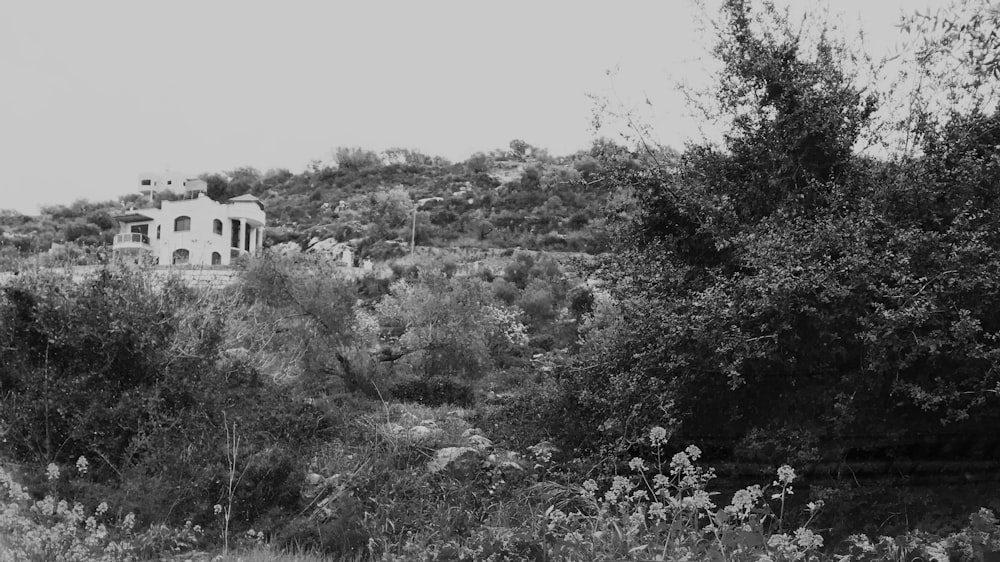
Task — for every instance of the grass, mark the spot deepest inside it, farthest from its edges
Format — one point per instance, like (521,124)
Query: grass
(268,553)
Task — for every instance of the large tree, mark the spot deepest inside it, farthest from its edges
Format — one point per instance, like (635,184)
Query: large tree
(774,286)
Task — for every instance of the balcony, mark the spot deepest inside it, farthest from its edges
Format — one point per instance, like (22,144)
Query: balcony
(131,240)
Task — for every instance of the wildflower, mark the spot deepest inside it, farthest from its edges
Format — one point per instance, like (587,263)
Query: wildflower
(639,496)
(621,485)
(662,484)
(52,471)
(657,436)
(782,543)
(657,510)
(590,485)
(102,508)
(744,501)
(129,522)
(82,465)
(637,464)
(785,475)
(806,539)
(217,509)
(679,463)
(700,499)
(693,452)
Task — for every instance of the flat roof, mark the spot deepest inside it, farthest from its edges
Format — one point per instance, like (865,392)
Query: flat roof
(132,217)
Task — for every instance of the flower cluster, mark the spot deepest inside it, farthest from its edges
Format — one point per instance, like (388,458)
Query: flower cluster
(54,529)
(665,511)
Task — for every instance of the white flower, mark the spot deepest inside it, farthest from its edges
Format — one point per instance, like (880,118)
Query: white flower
(806,539)
(52,471)
(217,509)
(657,509)
(744,500)
(657,436)
(82,465)
(637,464)
(786,474)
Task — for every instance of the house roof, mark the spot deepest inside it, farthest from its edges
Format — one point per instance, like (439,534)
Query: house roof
(246,198)
(132,217)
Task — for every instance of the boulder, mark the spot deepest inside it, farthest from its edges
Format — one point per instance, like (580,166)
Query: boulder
(480,442)
(460,462)
(544,451)
(420,432)
(286,249)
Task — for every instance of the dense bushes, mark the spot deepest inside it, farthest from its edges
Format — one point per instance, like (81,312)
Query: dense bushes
(138,379)
(781,285)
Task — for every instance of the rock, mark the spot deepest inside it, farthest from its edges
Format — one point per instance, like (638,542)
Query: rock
(313,479)
(419,432)
(428,423)
(480,442)
(330,247)
(392,429)
(544,451)
(471,431)
(510,464)
(460,462)
(286,249)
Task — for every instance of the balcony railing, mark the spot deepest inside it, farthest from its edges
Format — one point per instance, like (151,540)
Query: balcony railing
(131,238)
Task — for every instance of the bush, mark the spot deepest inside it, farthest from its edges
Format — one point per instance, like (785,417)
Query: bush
(434,391)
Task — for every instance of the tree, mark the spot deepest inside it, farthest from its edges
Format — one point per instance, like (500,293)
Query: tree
(519,149)
(767,284)
(449,326)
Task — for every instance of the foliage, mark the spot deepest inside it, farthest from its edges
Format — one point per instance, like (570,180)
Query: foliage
(434,391)
(449,326)
(140,379)
(54,529)
(782,281)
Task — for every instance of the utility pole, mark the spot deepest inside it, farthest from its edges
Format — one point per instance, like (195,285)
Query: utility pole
(413,230)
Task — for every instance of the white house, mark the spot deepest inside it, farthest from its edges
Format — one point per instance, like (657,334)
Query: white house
(195,230)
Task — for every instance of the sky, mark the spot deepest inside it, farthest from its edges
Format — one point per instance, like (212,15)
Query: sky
(94,93)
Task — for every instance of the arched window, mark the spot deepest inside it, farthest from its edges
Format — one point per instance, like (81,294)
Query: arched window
(182,223)
(180,257)
(216,257)
(217,227)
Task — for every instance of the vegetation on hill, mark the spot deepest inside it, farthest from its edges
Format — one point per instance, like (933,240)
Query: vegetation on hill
(514,198)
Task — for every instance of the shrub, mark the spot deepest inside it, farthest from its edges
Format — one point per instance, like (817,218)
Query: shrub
(434,391)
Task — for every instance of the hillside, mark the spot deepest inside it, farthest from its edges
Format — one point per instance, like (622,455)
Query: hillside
(520,197)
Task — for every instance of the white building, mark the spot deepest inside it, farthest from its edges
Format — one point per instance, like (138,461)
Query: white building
(168,181)
(195,230)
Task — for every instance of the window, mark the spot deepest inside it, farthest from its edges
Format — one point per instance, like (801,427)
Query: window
(147,182)
(170,182)
(180,257)
(182,223)
(217,227)
(157,232)
(216,258)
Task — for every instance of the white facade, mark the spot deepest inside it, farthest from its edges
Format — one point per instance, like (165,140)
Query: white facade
(168,181)
(193,231)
